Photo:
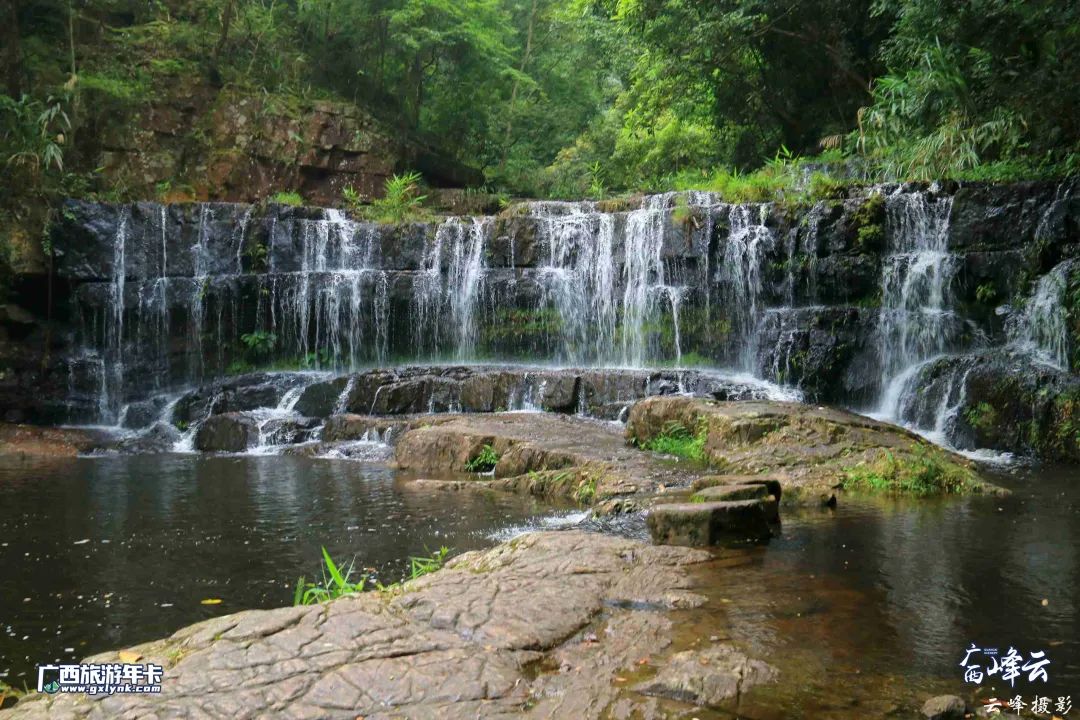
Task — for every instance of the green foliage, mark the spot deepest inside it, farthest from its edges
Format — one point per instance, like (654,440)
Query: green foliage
(926,472)
(975,90)
(401,202)
(290,197)
(870,219)
(423,565)
(566,98)
(982,416)
(335,583)
(259,343)
(986,293)
(484,461)
(676,439)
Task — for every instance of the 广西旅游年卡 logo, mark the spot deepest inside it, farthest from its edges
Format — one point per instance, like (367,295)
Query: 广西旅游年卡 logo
(100,678)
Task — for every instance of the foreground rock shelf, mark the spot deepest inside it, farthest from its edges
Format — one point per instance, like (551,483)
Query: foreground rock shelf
(548,625)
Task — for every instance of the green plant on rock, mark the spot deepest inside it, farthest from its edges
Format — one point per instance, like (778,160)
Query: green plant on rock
(986,293)
(870,221)
(335,583)
(425,564)
(982,416)
(585,492)
(676,439)
(289,197)
(259,254)
(925,472)
(259,343)
(484,461)
(401,202)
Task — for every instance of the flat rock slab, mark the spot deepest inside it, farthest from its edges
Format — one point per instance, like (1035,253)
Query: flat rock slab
(715,677)
(540,453)
(47,441)
(816,450)
(698,524)
(463,642)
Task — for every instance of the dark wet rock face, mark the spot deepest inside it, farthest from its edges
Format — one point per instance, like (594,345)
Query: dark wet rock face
(1000,402)
(710,522)
(231,432)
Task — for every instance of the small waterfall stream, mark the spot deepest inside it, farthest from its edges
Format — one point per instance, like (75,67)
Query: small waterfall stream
(1042,328)
(916,322)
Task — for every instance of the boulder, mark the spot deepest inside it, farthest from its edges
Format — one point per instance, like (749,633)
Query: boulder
(699,524)
(817,449)
(719,493)
(558,392)
(53,442)
(160,438)
(709,678)
(773,483)
(231,432)
(289,431)
(1003,402)
(944,707)
(321,399)
(359,427)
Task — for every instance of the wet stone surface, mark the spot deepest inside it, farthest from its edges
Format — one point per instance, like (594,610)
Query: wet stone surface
(464,642)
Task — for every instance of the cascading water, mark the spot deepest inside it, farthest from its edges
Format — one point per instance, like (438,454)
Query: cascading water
(448,288)
(916,322)
(740,273)
(112,370)
(643,276)
(463,282)
(1042,328)
(579,278)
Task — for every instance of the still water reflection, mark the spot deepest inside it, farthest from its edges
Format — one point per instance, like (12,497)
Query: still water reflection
(97,553)
(867,610)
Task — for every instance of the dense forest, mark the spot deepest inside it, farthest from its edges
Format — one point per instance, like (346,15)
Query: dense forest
(571,98)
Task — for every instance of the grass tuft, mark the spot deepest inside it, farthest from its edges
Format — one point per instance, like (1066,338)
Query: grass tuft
(676,439)
(484,462)
(928,472)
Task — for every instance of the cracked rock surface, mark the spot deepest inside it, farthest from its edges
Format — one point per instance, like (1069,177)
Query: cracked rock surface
(546,625)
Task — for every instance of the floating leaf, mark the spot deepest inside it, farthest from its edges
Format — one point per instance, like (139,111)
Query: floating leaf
(211,601)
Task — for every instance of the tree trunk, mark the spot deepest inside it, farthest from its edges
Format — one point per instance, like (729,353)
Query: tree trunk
(13,59)
(514,92)
(226,21)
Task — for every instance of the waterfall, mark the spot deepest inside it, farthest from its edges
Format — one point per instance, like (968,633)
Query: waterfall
(463,281)
(1042,329)
(200,286)
(578,276)
(643,275)
(450,280)
(112,369)
(916,322)
(323,311)
(740,273)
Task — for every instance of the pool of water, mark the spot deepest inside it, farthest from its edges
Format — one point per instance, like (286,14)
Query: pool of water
(867,610)
(98,553)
